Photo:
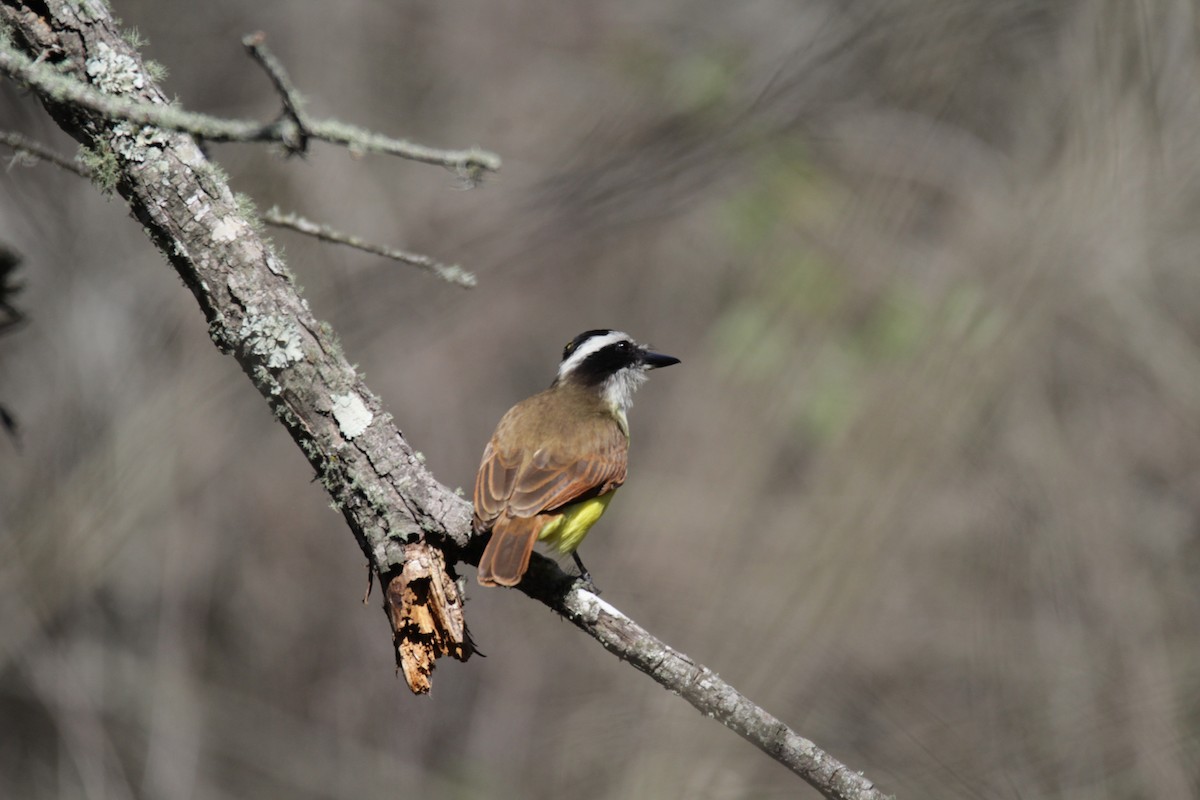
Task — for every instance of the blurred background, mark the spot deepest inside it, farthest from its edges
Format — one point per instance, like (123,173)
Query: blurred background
(926,485)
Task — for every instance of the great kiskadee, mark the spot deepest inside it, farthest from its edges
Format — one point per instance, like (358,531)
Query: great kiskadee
(557,458)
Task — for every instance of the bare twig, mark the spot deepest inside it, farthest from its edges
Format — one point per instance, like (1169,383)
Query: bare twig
(63,89)
(293,103)
(451,273)
(24,146)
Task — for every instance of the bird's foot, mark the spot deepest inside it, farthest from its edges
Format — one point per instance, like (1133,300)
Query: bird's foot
(585,577)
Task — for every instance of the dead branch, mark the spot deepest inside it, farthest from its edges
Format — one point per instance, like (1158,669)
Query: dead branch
(117,98)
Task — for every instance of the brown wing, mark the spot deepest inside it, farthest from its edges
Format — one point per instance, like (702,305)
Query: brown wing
(526,484)
(550,480)
(515,497)
(493,485)
(517,492)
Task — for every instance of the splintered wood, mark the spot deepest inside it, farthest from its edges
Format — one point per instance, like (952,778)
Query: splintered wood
(425,608)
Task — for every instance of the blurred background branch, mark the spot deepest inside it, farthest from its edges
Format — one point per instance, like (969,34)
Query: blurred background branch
(32,152)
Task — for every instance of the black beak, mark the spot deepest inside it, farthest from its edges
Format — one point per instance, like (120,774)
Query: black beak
(656,360)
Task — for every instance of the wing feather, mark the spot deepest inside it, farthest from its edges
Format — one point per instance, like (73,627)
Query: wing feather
(493,486)
(528,485)
(560,480)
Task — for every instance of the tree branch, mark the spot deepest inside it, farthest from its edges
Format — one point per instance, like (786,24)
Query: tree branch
(293,103)
(399,513)
(708,692)
(451,273)
(36,151)
(117,75)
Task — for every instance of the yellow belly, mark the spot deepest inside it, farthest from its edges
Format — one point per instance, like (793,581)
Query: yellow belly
(566,532)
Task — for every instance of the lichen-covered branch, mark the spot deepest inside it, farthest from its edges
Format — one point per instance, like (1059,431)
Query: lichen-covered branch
(247,294)
(115,92)
(33,151)
(399,513)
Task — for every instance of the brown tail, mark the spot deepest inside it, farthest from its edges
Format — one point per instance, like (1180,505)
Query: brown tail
(506,556)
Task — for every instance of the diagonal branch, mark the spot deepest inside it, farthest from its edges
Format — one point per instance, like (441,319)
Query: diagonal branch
(694,682)
(397,510)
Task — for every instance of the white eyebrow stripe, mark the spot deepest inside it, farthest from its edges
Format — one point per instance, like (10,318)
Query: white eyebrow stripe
(592,345)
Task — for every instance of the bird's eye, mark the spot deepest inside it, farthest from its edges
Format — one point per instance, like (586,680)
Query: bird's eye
(623,347)
(567,350)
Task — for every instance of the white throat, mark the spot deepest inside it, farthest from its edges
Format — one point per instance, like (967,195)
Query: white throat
(618,393)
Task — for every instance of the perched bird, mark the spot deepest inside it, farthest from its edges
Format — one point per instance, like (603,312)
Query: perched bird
(557,458)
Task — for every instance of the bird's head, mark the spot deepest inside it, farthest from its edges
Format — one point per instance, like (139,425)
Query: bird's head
(610,362)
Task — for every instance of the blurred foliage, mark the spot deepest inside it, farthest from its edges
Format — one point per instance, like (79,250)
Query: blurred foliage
(797,292)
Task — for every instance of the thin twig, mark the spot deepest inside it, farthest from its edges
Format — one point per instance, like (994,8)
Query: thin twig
(40,152)
(62,89)
(469,164)
(293,103)
(451,273)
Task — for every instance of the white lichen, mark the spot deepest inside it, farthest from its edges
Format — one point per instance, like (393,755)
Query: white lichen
(352,415)
(114,73)
(227,230)
(272,336)
(138,143)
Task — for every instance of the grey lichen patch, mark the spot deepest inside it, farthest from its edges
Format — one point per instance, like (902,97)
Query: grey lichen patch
(138,143)
(114,73)
(352,415)
(284,414)
(265,380)
(274,337)
(219,333)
